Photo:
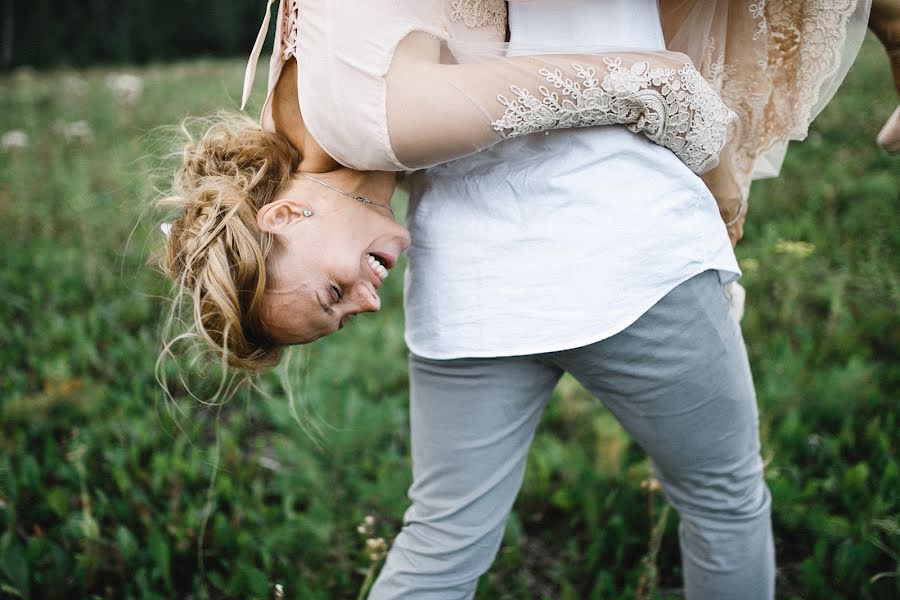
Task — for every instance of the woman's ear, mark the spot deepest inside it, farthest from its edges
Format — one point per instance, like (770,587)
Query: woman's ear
(275,216)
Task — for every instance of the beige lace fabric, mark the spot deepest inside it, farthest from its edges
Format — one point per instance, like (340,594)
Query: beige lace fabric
(674,108)
(775,63)
(402,84)
(479,13)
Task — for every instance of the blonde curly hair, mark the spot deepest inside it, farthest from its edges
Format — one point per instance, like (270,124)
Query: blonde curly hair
(215,254)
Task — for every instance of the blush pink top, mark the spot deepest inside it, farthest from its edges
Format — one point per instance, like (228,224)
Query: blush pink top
(406,84)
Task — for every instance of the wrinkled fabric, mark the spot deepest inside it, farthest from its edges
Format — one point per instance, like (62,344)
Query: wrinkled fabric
(398,85)
(554,241)
(677,380)
(774,63)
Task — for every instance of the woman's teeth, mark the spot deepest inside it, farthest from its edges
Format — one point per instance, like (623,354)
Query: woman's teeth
(379,268)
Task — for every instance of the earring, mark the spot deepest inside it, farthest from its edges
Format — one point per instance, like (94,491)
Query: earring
(307,212)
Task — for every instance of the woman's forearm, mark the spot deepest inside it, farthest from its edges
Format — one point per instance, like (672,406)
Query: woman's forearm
(439,112)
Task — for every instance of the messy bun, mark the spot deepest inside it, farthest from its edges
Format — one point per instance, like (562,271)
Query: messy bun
(215,253)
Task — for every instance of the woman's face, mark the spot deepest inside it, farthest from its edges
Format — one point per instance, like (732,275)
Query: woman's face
(329,264)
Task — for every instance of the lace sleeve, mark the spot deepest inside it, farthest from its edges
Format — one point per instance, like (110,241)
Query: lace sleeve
(776,64)
(439,112)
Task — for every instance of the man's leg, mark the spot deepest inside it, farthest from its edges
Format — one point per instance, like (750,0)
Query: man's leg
(679,382)
(472,422)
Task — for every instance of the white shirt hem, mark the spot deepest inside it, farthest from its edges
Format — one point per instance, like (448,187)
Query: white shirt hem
(727,273)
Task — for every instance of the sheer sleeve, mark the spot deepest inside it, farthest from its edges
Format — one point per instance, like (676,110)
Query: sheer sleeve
(776,64)
(438,112)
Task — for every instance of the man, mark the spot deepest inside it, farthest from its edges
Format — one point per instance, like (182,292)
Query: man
(591,252)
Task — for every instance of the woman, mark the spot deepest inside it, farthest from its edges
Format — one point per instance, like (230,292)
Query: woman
(286,233)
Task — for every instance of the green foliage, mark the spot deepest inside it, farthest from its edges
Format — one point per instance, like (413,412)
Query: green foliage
(108,489)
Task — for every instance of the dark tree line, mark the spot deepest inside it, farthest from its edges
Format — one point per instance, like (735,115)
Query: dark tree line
(45,33)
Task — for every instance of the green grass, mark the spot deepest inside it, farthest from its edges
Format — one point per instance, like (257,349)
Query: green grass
(107,490)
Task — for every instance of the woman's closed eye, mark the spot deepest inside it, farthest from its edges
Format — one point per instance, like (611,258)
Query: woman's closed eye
(336,293)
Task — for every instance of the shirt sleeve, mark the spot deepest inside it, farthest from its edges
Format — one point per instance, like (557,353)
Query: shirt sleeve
(439,112)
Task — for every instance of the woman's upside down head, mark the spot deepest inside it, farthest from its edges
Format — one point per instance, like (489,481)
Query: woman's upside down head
(263,255)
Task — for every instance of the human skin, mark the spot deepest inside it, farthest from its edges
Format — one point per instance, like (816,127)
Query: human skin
(884,21)
(321,273)
(293,305)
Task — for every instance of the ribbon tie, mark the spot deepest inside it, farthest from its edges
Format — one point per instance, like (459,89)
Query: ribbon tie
(250,73)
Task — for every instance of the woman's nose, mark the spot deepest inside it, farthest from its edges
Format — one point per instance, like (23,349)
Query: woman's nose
(365,298)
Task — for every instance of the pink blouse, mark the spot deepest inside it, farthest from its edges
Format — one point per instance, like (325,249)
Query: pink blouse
(405,84)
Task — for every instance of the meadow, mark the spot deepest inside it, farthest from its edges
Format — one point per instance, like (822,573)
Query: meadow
(110,490)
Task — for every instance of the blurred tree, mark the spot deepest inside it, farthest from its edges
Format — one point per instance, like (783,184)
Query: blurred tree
(45,33)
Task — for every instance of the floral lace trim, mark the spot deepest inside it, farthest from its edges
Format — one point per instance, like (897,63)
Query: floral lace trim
(776,82)
(823,34)
(675,108)
(479,13)
(758,12)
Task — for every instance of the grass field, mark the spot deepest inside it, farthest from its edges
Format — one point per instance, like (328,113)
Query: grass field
(109,491)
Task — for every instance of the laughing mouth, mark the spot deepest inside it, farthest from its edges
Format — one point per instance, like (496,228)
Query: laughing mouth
(377,265)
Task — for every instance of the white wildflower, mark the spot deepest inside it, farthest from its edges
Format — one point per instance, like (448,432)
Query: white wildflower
(14,140)
(76,131)
(367,527)
(74,84)
(377,548)
(266,462)
(125,87)
(651,485)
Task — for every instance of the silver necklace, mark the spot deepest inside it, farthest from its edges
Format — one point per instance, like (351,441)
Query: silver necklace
(362,199)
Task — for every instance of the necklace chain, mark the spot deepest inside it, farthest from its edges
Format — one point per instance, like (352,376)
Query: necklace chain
(362,199)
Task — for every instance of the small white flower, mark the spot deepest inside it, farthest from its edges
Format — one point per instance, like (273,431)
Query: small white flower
(76,131)
(74,84)
(267,462)
(125,87)
(14,140)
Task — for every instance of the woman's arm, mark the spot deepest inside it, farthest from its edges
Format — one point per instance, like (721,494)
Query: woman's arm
(884,21)
(729,196)
(439,112)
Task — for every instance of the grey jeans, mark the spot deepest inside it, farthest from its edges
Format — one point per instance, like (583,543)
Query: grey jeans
(677,380)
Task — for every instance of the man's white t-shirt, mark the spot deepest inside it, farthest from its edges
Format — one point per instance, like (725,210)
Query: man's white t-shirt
(554,241)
